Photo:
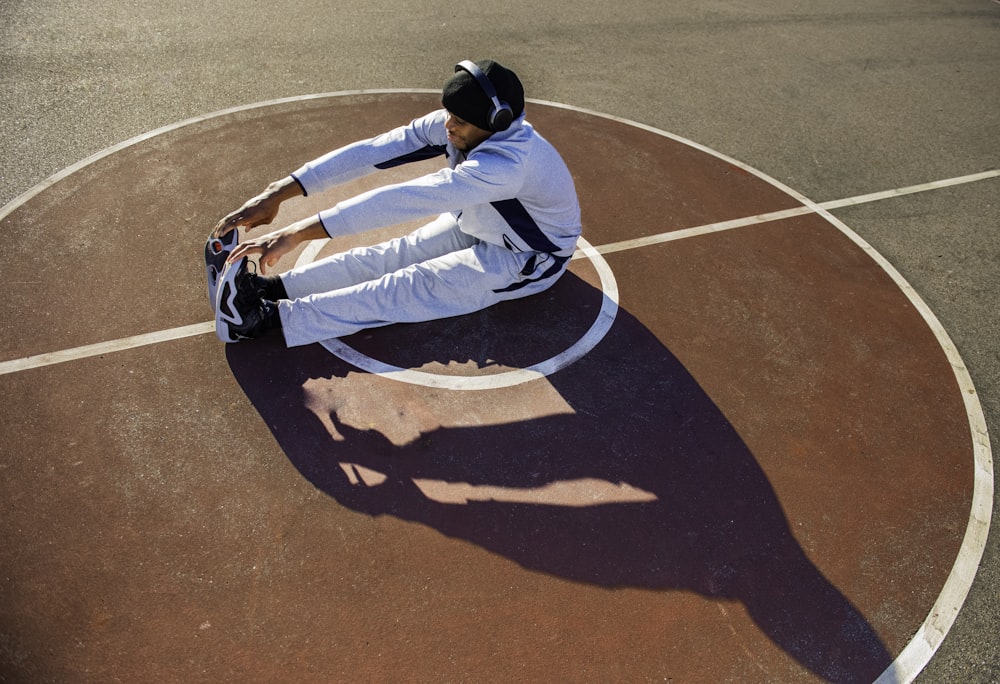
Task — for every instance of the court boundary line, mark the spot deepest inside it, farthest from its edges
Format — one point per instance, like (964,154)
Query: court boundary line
(821,208)
(918,652)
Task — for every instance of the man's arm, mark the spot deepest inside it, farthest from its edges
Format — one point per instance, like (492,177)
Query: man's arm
(448,190)
(422,138)
(262,208)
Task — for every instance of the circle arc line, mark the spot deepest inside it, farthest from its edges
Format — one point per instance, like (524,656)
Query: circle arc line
(598,329)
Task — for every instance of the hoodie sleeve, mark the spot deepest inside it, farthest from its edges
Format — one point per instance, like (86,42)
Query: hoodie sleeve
(422,138)
(486,178)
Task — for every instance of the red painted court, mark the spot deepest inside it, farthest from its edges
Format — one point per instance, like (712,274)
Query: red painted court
(762,469)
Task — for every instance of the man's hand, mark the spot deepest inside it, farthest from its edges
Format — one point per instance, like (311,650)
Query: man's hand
(275,245)
(261,209)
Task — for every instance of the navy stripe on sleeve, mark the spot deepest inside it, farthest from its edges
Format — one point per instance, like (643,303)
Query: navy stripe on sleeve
(428,152)
(305,193)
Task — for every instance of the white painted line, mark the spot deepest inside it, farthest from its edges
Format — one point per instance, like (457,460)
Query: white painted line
(701,230)
(791,213)
(52,358)
(73,354)
(899,192)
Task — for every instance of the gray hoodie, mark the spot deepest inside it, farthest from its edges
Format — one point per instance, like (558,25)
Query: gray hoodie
(513,189)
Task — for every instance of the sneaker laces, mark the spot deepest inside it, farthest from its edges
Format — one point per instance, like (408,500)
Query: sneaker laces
(247,290)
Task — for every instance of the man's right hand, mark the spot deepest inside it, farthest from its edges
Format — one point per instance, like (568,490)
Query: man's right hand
(259,210)
(272,246)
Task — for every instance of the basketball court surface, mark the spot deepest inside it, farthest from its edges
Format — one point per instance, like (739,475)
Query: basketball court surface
(733,443)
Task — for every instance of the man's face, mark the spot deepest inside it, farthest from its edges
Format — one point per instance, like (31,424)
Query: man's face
(463,135)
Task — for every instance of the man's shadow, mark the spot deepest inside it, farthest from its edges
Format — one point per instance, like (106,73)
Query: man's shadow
(699,515)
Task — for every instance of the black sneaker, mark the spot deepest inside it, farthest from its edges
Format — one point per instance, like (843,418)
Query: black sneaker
(217,250)
(241,312)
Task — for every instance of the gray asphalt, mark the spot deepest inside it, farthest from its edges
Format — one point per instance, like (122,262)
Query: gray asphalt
(834,100)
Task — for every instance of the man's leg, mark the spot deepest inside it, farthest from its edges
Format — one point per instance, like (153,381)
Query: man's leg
(360,265)
(456,283)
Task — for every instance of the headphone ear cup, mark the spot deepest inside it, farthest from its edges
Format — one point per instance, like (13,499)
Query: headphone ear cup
(501,119)
(500,116)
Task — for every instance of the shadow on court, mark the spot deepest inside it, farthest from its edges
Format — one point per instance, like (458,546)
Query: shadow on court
(699,515)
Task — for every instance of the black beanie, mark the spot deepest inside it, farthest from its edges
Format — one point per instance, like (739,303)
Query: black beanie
(463,97)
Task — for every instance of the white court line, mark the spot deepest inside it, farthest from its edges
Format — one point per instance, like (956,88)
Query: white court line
(791,213)
(52,358)
(132,342)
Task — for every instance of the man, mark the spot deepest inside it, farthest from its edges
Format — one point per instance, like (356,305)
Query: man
(507,223)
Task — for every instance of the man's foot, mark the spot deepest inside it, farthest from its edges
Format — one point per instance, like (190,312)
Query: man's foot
(241,312)
(217,250)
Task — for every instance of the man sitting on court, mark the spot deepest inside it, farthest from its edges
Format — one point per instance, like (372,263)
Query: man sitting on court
(507,223)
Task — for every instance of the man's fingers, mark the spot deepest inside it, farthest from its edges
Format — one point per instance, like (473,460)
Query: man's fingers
(222,228)
(242,250)
(229,223)
(257,211)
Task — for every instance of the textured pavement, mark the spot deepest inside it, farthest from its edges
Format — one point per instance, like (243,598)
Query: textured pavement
(833,102)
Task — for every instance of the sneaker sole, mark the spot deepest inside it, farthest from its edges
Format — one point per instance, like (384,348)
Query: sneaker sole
(225,303)
(217,250)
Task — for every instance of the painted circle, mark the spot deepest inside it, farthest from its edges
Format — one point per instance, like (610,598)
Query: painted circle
(602,323)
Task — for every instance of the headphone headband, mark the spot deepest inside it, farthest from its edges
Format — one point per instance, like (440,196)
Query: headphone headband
(501,115)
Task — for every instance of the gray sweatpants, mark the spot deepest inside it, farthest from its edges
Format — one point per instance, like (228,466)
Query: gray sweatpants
(435,272)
